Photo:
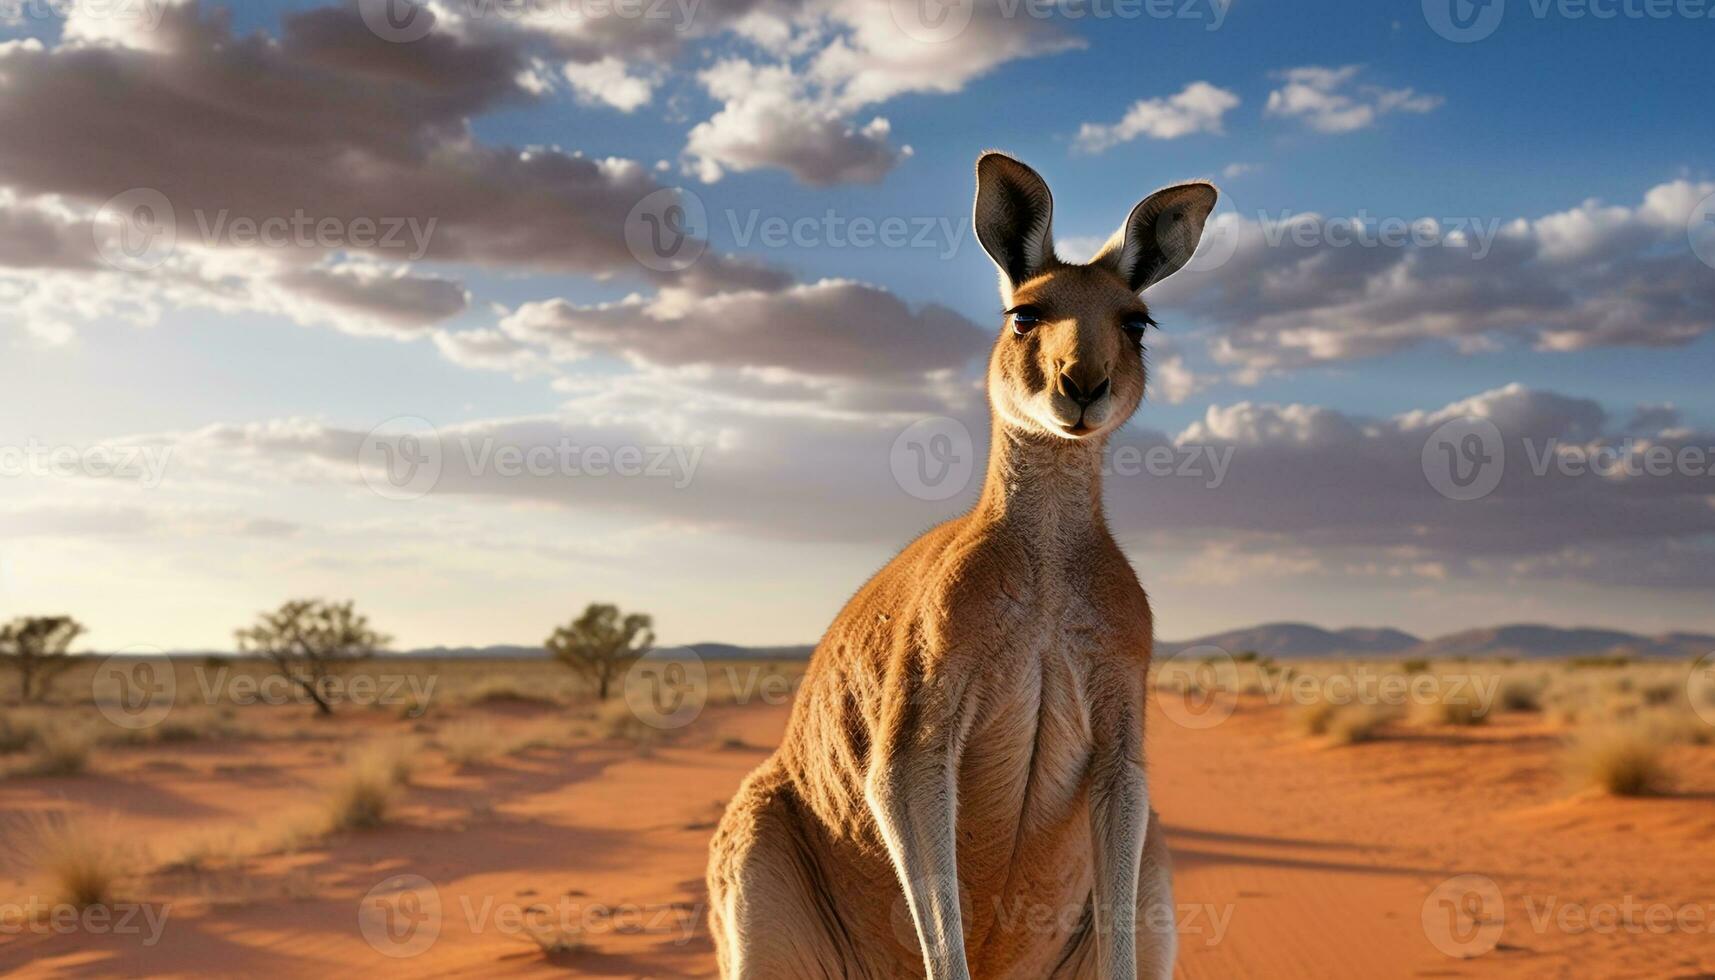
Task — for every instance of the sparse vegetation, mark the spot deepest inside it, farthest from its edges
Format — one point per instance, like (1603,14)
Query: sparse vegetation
(85,861)
(36,649)
(1462,710)
(1622,760)
(61,747)
(1356,723)
(602,644)
(468,743)
(1522,693)
(367,790)
(310,642)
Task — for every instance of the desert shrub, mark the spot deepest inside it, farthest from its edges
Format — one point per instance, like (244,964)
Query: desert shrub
(617,721)
(36,648)
(60,748)
(1598,663)
(468,743)
(1451,710)
(16,733)
(1522,694)
(1661,692)
(366,792)
(1622,760)
(1676,725)
(85,859)
(1354,723)
(505,690)
(1414,666)
(1314,718)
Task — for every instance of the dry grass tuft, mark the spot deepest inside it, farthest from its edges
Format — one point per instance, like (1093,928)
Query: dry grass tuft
(1622,760)
(85,859)
(60,748)
(1462,711)
(505,689)
(368,789)
(1523,693)
(1313,719)
(469,743)
(17,731)
(1356,723)
(618,722)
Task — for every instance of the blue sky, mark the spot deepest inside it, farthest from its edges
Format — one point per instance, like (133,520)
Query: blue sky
(261,372)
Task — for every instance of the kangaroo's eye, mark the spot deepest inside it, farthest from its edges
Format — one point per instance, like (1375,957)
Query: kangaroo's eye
(1024,319)
(1135,326)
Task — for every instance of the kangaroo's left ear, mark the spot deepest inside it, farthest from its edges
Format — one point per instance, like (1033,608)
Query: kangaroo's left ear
(1159,236)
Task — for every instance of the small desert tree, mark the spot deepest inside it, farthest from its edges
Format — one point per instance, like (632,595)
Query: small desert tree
(35,647)
(310,641)
(601,645)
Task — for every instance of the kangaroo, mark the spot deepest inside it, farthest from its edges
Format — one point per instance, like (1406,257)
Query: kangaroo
(961,789)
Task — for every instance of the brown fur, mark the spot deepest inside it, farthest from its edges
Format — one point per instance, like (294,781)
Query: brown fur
(960,791)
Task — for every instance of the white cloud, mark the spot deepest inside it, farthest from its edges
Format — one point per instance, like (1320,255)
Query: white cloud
(1328,101)
(1593,276)
(607,82)
(772,119)
(1199,108)
(802,111)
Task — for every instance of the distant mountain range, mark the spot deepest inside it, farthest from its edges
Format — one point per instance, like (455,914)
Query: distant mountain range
(1285,640)
(1521,641)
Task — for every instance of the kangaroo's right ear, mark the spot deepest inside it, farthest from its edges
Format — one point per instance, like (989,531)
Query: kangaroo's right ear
(1014,217)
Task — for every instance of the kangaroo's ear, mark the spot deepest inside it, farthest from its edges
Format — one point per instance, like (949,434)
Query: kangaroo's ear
(1159,236)
(1014,215)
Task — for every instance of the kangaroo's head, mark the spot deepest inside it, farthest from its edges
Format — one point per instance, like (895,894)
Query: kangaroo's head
(1069,361)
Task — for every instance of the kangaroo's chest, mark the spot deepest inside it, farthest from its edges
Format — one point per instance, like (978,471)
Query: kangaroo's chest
(1026,763)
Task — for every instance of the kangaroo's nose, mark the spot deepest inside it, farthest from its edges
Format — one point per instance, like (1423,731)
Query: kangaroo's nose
(1077,392)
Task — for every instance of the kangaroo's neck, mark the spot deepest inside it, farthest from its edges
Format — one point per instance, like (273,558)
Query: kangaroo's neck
(1046,489)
